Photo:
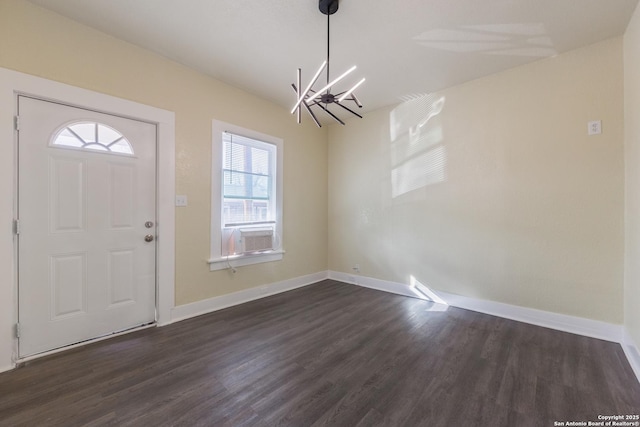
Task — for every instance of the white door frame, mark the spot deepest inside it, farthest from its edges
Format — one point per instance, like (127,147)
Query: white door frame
(13,83)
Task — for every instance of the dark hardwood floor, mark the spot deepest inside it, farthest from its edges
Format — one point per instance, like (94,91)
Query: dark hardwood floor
(327,354)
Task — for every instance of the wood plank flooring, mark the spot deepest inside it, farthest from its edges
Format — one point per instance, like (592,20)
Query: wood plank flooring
(328,354)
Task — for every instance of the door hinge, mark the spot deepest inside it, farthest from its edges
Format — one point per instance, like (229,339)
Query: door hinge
(17,330)
(16,122)
(16,226)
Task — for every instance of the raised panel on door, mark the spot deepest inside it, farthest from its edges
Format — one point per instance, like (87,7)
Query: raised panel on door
(121,277)
(67,195)
(68,285)
(121,196)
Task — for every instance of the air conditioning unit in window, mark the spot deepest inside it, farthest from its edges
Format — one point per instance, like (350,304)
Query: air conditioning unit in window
(247,239)
(256,239)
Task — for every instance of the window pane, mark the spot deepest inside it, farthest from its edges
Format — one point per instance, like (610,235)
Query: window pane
(106,135)
(260,161)
(247,180)
(67,139)
(245,185)
(260,187)
(236,158)
(86,131)
(121,146)
(239,211)
(234,184)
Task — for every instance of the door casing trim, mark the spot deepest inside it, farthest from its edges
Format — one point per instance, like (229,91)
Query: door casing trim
(14,83)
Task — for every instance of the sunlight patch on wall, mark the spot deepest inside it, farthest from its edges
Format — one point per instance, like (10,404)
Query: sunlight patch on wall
(418,158)
(525,39)
(420,171)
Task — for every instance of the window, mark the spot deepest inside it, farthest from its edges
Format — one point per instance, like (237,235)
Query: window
(246,202)
(92,136)
(248,170)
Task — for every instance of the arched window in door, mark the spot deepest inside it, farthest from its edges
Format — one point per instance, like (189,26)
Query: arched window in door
(92,136)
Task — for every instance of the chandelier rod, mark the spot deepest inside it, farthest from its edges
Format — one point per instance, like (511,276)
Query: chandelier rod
(328,45)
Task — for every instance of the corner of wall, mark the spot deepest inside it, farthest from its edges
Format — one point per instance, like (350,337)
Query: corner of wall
(631,54)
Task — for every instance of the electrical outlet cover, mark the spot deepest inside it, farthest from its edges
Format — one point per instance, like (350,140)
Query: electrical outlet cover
(595,127)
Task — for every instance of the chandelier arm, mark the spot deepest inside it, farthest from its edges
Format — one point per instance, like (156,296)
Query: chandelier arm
(313,116)
(297,91)
(331,114)
(350,97)
(353,97)
(304,94)
(299,83)
(350,91)
(348,109)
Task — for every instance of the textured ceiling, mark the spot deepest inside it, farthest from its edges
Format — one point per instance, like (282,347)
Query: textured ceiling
(403,47)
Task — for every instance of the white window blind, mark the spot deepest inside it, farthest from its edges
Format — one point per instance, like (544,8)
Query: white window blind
(248,176)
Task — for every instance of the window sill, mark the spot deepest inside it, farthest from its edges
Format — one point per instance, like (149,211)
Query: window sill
(242,260)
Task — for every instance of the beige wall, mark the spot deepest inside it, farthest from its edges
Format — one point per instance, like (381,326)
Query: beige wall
(492,189)
(632,168)
(41,43)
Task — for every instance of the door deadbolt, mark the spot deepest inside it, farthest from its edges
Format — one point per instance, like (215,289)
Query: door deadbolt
(148,224)
(148,238)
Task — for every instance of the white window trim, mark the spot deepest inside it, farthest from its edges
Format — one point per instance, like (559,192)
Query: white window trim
(217,261)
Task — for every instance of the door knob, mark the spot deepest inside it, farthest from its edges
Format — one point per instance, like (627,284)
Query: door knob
(148,238)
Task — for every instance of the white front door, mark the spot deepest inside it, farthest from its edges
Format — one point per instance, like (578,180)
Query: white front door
(87,221)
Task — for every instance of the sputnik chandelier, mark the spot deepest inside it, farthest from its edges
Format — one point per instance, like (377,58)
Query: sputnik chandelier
(323,98)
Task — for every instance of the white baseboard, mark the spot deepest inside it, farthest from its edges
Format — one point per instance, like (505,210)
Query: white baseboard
(576,325)
(631,351)
(381,285)
(198,308)
(562,322)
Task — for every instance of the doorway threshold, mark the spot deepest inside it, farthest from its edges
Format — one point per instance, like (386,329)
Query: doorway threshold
(23,360)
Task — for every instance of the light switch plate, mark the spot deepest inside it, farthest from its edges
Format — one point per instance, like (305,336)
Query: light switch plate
(181,200)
